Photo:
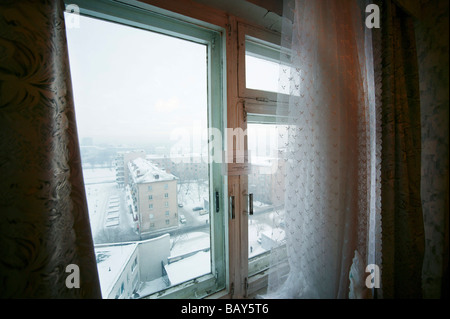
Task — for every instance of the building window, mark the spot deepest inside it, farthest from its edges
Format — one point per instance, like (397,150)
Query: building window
(150,50)
(167,213)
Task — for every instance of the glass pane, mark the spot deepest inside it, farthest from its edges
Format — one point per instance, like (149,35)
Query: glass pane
(134,92)
(264,70)
(261,74)
(265,182)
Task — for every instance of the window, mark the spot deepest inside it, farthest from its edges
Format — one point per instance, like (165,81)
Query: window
(264,101)
(260,69)
(142,83)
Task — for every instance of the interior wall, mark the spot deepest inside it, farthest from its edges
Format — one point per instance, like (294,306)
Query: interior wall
(433,56)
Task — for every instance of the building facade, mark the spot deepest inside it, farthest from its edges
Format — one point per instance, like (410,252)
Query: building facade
(153,193)
(121,163)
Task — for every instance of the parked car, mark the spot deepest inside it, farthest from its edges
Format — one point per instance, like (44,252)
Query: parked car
(197,208)
(182,219)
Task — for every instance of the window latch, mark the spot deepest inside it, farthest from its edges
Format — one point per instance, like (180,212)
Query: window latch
(232,207)
(217,202)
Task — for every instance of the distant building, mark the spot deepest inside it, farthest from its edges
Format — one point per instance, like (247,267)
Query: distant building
(185,166)
(121,163)
(153,194)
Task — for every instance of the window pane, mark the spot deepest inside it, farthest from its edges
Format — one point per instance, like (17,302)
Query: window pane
(265,182)
(132,89)
(261,74)
(264,70)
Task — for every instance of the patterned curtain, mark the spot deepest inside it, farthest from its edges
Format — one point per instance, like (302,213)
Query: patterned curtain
(402,220)
(44,223)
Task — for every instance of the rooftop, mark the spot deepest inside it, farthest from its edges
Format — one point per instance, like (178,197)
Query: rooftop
(142,171)
(188,268)
(111,260)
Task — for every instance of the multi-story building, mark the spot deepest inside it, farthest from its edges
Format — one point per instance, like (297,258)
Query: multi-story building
(153,192)
(121,162)
(185,166)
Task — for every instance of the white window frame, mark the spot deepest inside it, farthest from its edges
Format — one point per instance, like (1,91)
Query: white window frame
(144,16)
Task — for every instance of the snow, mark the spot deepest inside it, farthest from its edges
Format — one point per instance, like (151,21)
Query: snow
(189,242)
(150,287)
(189,251)
(145,172)
(111,263)
(99,175)
(189,268)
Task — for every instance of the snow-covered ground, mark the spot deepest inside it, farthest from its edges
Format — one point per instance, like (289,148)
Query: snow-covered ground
(104,196)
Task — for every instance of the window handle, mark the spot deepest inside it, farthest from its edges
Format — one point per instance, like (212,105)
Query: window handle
(232,207)
(217,202)
(250,204)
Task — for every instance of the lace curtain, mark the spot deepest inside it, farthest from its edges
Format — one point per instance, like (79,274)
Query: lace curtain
(44,223)
(332,153)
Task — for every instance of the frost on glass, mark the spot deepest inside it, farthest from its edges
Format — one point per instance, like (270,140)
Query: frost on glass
(149,210)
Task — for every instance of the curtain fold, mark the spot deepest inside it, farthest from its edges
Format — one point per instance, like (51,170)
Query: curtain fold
(402,220)
(44,222)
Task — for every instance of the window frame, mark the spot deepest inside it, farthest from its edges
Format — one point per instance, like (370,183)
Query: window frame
(260,107)
(147,17)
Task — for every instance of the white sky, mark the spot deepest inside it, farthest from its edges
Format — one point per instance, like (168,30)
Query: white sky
(134,83)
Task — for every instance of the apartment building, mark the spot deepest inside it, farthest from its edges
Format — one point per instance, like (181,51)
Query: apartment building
(154,196)
(121,163)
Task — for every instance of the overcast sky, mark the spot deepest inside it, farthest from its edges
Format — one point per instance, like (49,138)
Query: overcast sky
(130,82)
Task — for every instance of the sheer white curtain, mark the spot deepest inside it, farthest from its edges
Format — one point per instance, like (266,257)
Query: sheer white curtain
(331,154)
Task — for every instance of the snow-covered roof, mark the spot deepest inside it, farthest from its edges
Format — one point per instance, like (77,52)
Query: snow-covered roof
(142,171)
(189,268)
(111,261)
(189,242)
